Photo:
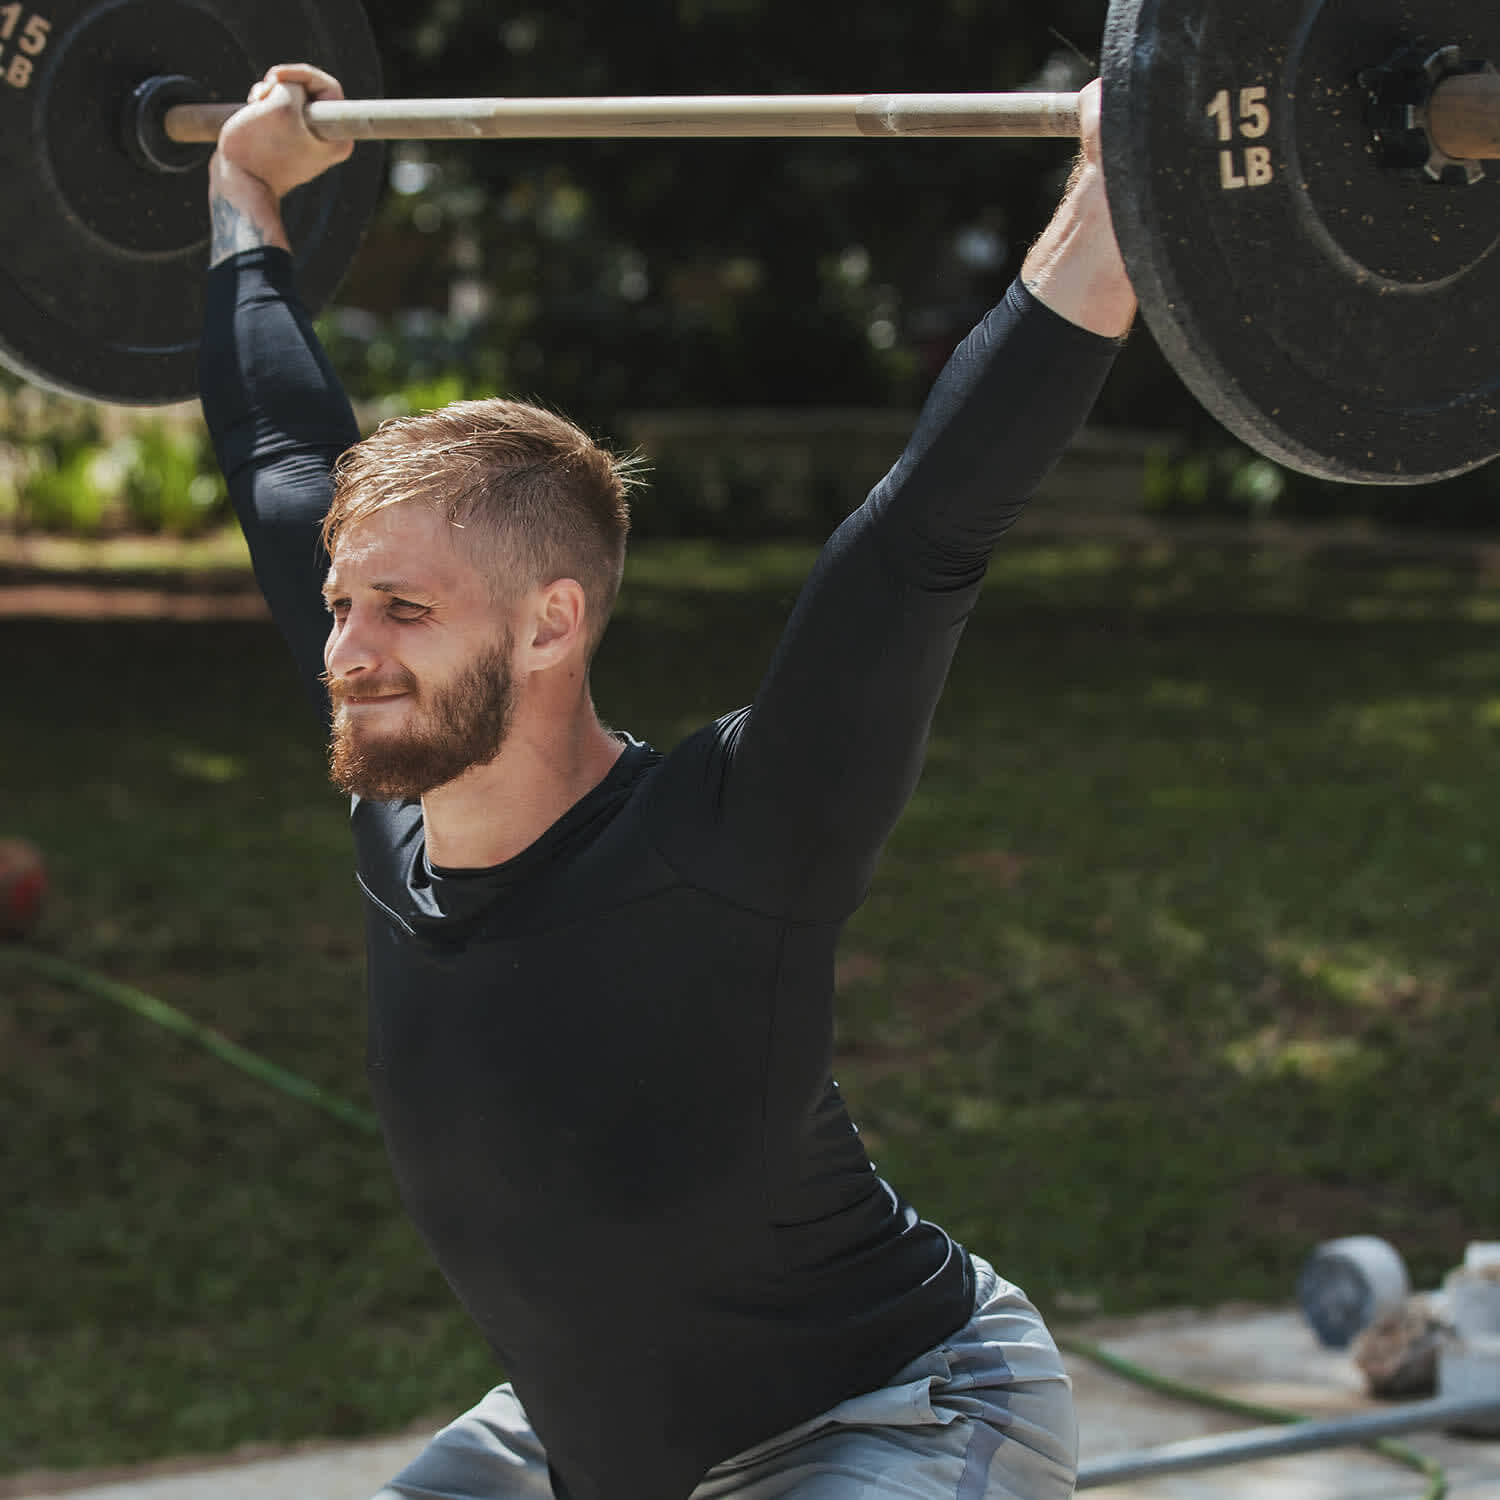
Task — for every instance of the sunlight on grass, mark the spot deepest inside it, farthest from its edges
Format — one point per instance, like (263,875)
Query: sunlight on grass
(1176,942)
(1483,610)
(1053,562)
(224,549)
(1358,975)
(1167,692)
(1411,725)
(968,1113)
(716,566)
(1270,1054)
(204,765)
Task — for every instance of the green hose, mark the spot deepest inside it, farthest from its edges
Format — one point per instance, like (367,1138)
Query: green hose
(174,1020)
(1437,1476)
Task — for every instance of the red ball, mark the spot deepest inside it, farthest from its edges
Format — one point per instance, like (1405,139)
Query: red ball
(23,883)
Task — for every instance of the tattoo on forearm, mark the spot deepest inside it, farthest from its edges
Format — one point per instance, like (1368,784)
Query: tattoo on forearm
(233,230)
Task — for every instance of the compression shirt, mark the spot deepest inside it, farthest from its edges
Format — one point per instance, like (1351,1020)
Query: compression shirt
(603,1068)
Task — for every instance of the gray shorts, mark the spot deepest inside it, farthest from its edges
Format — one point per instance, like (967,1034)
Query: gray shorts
(987,1415)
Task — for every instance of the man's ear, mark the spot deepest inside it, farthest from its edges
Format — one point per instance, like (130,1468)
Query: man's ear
(552,626)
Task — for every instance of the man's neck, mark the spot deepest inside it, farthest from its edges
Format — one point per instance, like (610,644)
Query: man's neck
(493,812)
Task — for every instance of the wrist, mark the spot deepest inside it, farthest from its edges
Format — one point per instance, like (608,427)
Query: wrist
(245,211)
(1075,267)
(227,179)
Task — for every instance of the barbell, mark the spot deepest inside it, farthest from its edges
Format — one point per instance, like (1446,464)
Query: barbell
(1299,189)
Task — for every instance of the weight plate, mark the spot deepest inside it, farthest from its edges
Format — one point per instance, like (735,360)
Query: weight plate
(102,259)
(1336,314)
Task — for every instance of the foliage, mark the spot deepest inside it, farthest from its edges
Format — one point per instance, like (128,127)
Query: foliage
(1180,962)
(1217,478)
(608,278)
(169,479)
(69,466)
(684,273)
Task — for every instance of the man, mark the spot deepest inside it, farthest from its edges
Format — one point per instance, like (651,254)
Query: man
(600,977)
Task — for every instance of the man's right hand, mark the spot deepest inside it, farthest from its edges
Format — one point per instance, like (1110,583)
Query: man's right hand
(1075,267)
(264,152)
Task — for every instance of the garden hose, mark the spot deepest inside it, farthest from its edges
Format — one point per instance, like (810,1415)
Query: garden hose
(1398,1452)
(171,1019)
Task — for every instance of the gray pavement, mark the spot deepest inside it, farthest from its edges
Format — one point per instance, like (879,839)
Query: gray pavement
(1256,1355)
(1263,1356)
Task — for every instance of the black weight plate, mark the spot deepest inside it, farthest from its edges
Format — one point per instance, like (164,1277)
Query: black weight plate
(101,259)
(1336,314)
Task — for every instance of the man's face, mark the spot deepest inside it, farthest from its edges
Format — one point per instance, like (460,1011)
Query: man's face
(418,658)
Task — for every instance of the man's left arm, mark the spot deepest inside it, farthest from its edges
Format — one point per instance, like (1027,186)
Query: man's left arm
(1075,267)
(813,776)
(1015,392)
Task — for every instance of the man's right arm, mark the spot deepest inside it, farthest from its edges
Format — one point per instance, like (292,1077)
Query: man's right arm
(275,410)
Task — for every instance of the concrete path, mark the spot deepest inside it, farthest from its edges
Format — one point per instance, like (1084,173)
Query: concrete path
(1265,1357)
(1256,1355)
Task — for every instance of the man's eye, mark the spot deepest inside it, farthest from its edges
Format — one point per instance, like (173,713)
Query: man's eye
(338,608)
(406,609)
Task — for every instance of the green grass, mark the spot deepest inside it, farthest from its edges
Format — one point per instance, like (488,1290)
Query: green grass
(1182,960)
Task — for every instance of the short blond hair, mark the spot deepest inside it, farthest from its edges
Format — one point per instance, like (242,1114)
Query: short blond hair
(535,497)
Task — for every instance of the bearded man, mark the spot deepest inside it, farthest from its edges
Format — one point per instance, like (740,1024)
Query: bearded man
(601,977)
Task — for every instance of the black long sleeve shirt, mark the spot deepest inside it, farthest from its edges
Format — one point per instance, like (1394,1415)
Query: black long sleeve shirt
(603,1068)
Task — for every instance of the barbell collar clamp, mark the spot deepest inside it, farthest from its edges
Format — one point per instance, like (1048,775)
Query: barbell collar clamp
(143,124)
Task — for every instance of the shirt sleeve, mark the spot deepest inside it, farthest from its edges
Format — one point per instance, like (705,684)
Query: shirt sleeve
(806,784)
(279,420)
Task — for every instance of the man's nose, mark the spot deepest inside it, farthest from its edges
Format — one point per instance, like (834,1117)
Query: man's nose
(353,645)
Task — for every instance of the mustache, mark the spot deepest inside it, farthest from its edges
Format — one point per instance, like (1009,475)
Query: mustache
(341,689)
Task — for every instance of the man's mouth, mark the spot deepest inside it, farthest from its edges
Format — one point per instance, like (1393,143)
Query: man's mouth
(366,700)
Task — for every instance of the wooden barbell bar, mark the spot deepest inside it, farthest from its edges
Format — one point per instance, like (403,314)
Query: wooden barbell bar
(708,116)
(1463,117)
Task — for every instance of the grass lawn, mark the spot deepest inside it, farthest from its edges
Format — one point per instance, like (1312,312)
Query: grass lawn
(1184,958)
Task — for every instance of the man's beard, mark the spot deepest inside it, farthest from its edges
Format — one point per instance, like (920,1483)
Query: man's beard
(450,729)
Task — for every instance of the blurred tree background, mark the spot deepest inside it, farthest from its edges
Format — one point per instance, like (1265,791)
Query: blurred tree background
(611,279)
(607,277)
(612,274)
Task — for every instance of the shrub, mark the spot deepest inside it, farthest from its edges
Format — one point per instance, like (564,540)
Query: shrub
(1226,481)
(171,483)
